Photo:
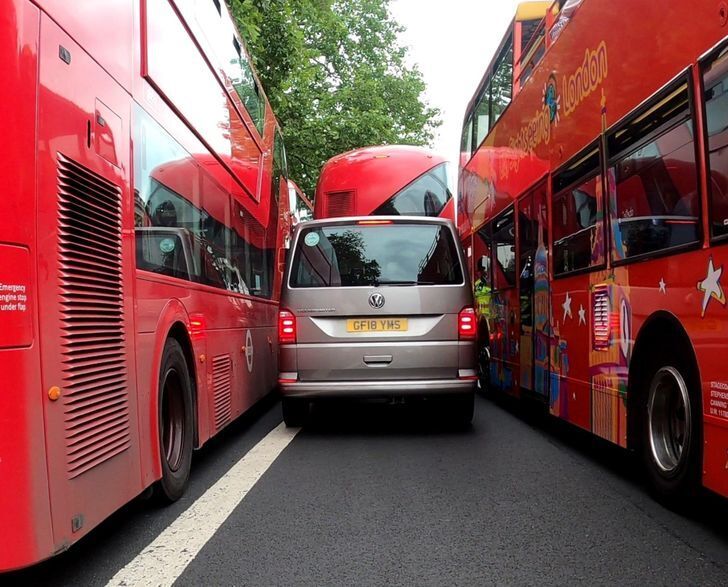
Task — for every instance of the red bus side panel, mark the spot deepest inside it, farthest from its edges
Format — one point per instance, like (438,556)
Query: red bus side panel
(109,40)
(86,296)
(25,515)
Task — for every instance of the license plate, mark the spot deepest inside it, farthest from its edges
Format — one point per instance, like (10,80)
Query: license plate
(377,325)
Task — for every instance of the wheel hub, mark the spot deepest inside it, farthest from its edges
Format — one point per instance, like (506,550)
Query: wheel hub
(669,420)
(173,416)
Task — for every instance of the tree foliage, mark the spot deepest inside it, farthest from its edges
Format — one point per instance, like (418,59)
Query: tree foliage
(336,77)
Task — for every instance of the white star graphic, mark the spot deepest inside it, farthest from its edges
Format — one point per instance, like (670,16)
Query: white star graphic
(582,315)
(567,307)
(711,286)
(663,286)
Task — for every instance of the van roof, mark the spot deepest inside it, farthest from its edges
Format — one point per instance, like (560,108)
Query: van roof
(393,219)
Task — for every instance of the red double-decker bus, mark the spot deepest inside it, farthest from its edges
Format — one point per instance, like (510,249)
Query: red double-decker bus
(594,208)
(144,210)
(390,179)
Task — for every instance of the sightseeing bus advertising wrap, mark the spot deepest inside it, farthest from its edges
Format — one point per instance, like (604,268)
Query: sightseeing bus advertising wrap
(594,209)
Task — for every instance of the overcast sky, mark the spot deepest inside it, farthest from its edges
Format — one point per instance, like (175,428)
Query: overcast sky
(452,42)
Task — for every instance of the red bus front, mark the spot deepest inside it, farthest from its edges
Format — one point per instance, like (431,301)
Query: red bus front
(390,179)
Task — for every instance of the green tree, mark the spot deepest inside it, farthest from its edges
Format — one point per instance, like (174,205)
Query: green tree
(336,77)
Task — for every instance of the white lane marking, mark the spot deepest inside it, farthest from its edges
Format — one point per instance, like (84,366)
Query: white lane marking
(164,560)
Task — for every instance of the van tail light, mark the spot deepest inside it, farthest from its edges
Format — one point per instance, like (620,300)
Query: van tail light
(466,324)
(286,327)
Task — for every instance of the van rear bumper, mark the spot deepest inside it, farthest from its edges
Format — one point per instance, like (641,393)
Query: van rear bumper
(377,389)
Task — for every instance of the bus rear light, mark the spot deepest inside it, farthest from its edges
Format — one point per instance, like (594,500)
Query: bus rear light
(466,324)
(601,319)
(286,327)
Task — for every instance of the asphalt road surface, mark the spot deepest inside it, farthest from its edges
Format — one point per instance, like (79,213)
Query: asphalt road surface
(384,495)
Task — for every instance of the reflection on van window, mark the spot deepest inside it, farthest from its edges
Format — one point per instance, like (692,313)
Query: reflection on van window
(360,255)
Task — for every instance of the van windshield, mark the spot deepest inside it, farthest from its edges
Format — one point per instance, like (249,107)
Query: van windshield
(361,255)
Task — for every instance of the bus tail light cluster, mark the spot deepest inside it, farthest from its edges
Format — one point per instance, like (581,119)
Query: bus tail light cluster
(466,324)
(286,327)
(600,317)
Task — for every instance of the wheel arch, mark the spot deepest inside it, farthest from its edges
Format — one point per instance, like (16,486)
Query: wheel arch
(174,322)
(180,333)
(659,329)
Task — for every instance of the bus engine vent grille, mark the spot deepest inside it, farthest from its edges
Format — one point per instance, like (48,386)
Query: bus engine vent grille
(600,317)
(339,204)
(221,386)
(95,399)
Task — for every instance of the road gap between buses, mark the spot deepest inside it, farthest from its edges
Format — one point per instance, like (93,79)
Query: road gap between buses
(166,558)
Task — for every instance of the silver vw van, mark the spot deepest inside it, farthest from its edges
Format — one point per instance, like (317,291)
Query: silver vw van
(376,307)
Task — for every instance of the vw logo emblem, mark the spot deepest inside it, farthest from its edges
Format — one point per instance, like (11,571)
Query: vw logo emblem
(376,300)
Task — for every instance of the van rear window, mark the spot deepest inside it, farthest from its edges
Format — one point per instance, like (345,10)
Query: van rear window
(372,255)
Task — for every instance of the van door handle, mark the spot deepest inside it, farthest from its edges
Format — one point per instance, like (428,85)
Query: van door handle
(378,360)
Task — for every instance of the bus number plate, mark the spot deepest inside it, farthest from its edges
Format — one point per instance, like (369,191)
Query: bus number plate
(377,325)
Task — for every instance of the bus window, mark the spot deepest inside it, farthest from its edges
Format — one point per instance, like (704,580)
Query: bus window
(656,204)
(168,207)
(247,88)
(481,119)
(577,214)
(425,196)
(466,143)
(502,84)
(716,107)
(280,169)
(575,229)
(504,245)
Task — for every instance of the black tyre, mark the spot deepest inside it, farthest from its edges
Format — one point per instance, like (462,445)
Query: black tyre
(484,368)
(176,434)
(671,434)
(295,411)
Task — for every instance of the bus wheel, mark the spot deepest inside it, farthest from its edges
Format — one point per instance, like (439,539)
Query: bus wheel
(671,446)
(295,411)
(175,423)
(483,368)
